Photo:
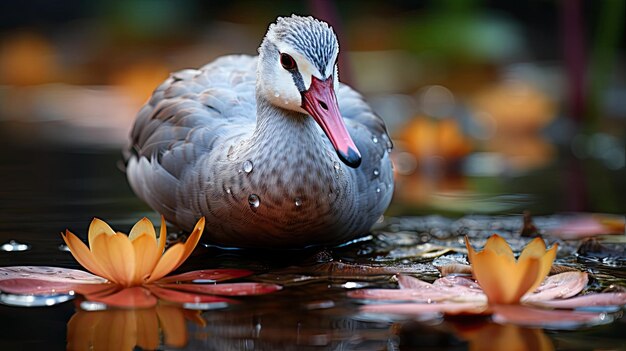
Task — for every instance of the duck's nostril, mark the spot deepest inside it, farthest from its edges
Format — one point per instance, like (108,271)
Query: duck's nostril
(323,105)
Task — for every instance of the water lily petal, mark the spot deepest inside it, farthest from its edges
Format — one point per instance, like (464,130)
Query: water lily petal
(167,262)
(537,249)
(162,236)
(146,256)
(498,245)
(527,272)
(98,227)
(502,279)
(425,308)
(549,319)
(558,286)
(84,256)
(185,297)
(496,274)
(191,242)
(147,328)
(173,323)
(590,300)
(134,297)
(206,275)
(142,226)
(116,255)
(232,289)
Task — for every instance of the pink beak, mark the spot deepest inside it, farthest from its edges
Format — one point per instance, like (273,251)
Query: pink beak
(320,102)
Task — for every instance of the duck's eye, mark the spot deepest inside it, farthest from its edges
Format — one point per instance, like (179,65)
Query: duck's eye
(287,61)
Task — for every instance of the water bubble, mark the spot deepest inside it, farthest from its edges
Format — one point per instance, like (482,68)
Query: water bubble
(276,94)
(374,139)
(93,306)
(14,246)
(378,190)
(298,202)
(228,190)
(247,166)
(337,166)
(254,200)
(376,172)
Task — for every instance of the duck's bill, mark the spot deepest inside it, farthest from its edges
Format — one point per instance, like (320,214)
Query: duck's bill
(320,102)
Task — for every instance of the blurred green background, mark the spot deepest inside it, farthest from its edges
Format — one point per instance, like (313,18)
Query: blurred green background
(494,106)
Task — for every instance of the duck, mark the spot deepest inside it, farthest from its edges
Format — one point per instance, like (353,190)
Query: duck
(272,150)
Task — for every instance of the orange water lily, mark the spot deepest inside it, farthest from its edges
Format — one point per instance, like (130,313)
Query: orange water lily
(503,279)
(131,260)
(130,271)
(510,291)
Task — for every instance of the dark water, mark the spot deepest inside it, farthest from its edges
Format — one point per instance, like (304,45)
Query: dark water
(46,190)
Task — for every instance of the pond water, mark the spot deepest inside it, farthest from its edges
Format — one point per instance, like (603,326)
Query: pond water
(46,190)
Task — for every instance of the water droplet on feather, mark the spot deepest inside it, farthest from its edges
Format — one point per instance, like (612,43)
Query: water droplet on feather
(247,166)
(254,201)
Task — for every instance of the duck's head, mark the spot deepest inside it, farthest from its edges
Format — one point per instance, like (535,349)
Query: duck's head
(298,72)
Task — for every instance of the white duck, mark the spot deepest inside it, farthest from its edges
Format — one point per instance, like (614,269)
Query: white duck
(273,150)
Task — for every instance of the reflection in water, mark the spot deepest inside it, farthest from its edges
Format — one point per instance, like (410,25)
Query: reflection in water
(121,329)
(489,336)
(301,330)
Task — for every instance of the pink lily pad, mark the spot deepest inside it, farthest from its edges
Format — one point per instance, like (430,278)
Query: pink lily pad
(558,286)
(232,289)
(549,319)
(56,274)
(409,282)
(418,295)
(30,286)
(590,300)
(216,275)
